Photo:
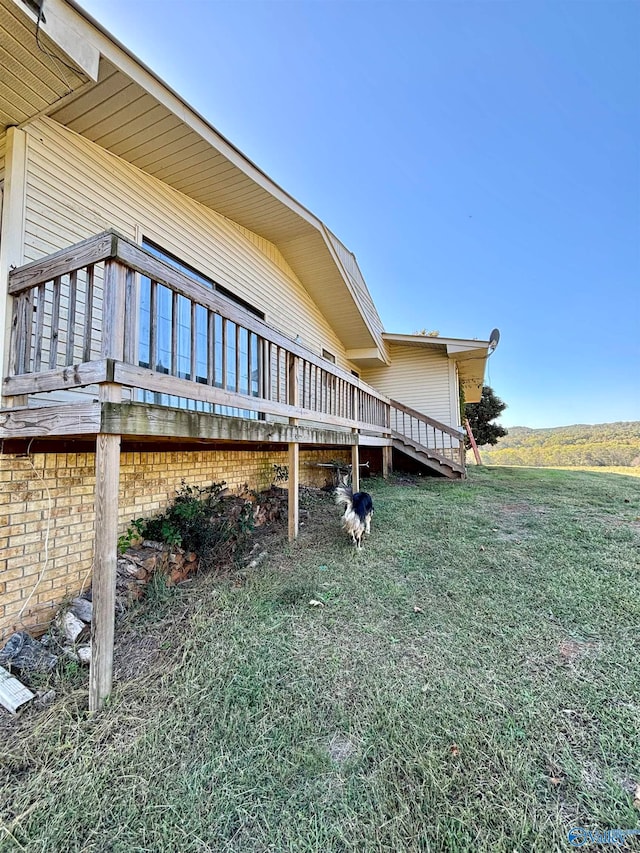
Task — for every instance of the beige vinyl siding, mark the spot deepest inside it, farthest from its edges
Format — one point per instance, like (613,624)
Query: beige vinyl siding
(266,247)
(350,264)
(418,377)
(76,189)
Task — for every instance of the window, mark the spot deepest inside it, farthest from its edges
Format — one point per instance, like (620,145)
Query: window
(239,341)
(173,261)
(329,356)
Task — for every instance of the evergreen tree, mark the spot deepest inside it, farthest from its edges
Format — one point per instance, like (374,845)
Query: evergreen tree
(480,416)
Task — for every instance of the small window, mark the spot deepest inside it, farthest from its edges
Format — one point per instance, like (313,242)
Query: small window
(355,373)
(329,356)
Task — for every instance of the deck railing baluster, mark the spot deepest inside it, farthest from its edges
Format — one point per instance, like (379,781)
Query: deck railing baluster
(71,317)
(88,313)
(193,356)
(238,359)
(174,333)
(55,323)
(37,355)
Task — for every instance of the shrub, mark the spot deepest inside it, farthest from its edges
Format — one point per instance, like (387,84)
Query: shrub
(200,520)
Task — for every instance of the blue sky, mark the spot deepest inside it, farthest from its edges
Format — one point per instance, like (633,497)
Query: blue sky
(481,160)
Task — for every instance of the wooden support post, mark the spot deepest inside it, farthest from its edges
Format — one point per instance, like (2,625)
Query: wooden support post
(105,558)
(294,484)
(294,452)
(387,461)
(355,464)
(104,568)
(355,454)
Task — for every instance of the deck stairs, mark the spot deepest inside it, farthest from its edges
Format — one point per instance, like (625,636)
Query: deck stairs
(428,442)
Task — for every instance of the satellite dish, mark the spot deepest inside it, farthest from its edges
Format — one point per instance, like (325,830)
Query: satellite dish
(494,338)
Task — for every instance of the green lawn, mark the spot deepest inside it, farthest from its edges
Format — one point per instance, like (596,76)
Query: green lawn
(470,682)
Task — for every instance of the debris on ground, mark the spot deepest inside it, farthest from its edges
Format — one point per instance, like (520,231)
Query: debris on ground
(23,654)
(13,694)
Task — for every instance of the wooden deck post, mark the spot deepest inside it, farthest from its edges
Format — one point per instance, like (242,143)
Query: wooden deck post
(115,298)
(294,453)
(105,548)
(104,568)
(355,464)
(294,488)
(355,454)
(387,461)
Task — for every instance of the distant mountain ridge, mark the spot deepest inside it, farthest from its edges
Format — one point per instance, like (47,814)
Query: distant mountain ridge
(580,444)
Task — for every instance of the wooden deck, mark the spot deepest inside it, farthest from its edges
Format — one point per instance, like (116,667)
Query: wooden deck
(111,345)
(139,349)
(79,321)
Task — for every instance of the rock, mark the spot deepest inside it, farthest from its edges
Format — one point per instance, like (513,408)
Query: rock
(84,654)
(83,609)
(70,625)
(135,571)
(44,699)
(253,564)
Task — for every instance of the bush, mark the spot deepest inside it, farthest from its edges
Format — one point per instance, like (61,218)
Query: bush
(200,520)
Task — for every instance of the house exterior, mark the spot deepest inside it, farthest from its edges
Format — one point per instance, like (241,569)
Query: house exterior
(166,312)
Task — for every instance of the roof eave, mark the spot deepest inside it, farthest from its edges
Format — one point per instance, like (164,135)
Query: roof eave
(470,357)
(126,61)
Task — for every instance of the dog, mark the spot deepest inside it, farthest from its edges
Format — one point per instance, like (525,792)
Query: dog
(357,513)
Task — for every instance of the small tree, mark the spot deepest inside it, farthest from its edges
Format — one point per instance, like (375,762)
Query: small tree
(480,416)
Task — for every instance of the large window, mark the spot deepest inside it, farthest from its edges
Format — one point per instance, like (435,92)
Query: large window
(208,338)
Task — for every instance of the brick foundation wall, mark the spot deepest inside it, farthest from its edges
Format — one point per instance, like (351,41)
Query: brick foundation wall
(47,514)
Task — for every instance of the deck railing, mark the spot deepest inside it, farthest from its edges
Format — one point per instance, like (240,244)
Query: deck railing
(168,336)
(411,426)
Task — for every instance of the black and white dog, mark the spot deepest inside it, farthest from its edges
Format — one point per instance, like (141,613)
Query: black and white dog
(358,510)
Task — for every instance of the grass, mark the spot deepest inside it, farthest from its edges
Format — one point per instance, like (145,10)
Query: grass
(628,470)
(469,683)
(610,469)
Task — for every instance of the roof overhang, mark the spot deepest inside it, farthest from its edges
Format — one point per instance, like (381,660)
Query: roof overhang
(101,91)
(470,357)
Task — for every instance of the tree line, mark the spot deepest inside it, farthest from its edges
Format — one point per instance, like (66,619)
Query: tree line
(596,445)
